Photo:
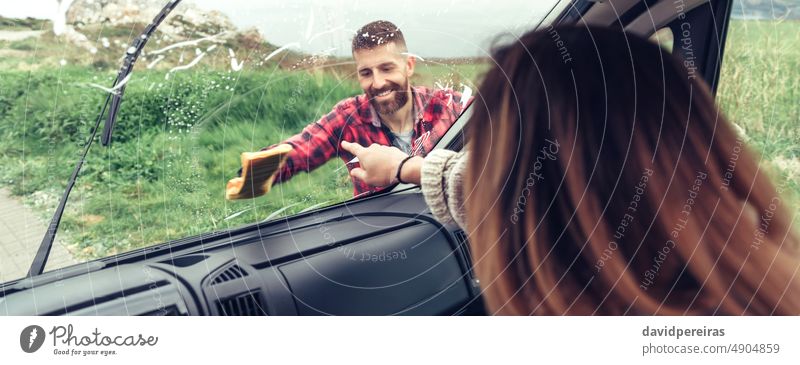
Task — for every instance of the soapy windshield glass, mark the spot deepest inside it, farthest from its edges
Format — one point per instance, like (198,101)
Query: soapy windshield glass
(217,79)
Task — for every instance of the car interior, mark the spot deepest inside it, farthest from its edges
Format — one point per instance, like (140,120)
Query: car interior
(384,254)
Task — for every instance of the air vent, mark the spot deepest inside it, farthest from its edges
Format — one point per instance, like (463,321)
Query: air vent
(248,304)
(233,272)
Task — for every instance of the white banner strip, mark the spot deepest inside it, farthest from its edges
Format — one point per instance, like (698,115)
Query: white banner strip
(400,340)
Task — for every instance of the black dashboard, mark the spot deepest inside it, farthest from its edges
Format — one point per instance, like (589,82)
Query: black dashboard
(348,259)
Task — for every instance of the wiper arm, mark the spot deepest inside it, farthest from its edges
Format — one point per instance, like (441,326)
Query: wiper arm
(133,52)
(37,267)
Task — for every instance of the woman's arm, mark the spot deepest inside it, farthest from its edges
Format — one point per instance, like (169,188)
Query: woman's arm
(442,181)
(440,174)
(411,171)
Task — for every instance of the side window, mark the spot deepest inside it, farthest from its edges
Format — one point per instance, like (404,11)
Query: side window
(759,86)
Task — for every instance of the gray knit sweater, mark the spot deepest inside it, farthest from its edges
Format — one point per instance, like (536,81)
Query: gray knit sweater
(442,179)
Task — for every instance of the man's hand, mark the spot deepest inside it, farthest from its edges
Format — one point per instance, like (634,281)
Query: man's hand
(378,163)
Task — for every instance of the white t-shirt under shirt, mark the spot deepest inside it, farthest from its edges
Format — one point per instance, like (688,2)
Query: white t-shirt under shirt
(403,141)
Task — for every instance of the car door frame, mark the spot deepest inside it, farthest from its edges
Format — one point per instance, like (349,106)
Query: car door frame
(711,16)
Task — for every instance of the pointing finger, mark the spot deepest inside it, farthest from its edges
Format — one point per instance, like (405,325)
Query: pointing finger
(353,148)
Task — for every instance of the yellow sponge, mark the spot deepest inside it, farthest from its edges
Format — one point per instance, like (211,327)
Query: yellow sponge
(258,172)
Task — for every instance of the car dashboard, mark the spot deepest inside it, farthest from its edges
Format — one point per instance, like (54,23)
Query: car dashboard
(342,260)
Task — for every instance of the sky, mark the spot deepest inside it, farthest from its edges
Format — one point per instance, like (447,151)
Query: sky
(42,9)
(433,28)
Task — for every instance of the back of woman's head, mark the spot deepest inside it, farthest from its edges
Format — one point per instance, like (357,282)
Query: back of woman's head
(604,180)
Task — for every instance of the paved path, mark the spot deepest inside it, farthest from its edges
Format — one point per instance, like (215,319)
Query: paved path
(18,35)
(21,232)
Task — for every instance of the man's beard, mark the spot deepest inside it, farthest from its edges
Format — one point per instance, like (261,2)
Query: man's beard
(392,105)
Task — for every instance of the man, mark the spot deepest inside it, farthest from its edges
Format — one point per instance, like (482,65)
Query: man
(390,112)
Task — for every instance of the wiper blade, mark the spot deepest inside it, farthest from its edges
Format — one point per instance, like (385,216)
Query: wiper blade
(114,100)
(132,54)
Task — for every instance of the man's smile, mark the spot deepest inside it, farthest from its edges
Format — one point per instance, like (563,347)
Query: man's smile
(385,94)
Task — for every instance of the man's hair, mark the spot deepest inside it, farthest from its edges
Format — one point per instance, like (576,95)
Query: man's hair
(378,33)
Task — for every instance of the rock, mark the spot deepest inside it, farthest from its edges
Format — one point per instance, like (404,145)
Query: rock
(87,12)
(115,19)
(186,21)
(251,38)
(78,39)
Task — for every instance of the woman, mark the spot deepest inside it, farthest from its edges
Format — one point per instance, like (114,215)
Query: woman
(598,181)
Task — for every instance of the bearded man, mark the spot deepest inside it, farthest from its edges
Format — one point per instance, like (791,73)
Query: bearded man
(390,112)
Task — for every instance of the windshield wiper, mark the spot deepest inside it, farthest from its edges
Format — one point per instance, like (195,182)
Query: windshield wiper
(114,100)
(132,54)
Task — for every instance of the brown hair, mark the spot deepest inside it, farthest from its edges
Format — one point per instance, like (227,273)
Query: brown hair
(378,33)
(602,170)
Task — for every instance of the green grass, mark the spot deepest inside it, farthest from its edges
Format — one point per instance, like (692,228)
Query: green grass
(176,144)
(449,74)
(17,24)
(759,89)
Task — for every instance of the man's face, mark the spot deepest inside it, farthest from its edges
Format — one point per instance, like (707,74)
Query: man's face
(383,73)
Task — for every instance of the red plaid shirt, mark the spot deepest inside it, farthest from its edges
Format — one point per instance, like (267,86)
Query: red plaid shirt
(354,120)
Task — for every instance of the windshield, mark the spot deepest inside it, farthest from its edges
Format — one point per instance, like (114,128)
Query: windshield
(214,81)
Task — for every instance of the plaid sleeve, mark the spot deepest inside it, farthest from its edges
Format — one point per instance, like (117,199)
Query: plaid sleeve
(458,104)
(315,145)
